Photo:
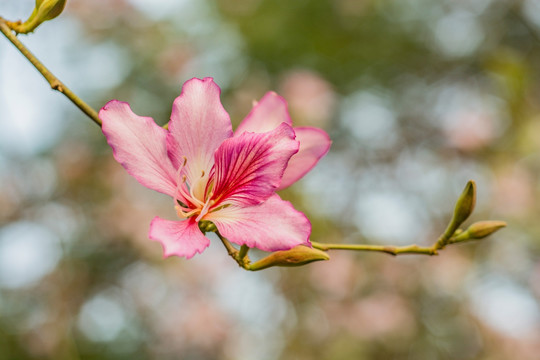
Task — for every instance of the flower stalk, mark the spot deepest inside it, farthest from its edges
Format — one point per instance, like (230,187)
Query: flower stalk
(242,253)
(240,256)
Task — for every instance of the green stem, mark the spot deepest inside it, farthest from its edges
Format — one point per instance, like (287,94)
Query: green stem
(53,81)
(442,241)
(243,252)
(389,249)
(230,249)
(240,256)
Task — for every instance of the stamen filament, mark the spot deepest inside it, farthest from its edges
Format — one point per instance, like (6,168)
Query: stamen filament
(188,196)
(179,183)
(205,208)
(180,211)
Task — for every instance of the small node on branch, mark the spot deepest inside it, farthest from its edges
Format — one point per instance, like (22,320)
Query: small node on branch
(57,85)
(390,250)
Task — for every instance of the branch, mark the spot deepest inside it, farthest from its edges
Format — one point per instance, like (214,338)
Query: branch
(389,249)
(53,81)
(452,235)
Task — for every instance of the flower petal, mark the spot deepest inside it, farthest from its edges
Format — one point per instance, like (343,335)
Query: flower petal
(198,125)
(139,144)
(266,115)
(270,226)
(314,144)
(180,238)
(249,167)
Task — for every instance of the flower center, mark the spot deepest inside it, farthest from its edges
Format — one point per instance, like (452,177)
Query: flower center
(191,199)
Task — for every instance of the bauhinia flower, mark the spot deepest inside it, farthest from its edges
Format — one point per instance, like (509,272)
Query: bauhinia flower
(215,175)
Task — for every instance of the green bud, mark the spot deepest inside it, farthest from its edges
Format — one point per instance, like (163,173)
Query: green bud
(478,230)
(43,11)
(481,229)
(466,202)
(464,208)
(297,256)
(38,3)
(50,8)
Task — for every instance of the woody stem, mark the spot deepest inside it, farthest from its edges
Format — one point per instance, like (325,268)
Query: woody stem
(53,81)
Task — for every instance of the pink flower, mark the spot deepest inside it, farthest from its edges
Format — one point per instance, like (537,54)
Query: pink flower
(215,175)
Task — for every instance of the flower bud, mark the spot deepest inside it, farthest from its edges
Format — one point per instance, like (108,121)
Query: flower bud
(464,208)
(50,8)
(466,202)
(297,256)
(481,229)
(478,230)
(43,11)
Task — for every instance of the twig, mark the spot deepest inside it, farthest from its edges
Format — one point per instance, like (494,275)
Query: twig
(389,249)
(239,256)
(53,81)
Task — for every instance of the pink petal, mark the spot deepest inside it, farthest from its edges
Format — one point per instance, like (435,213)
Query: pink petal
(180,238)
(139,144)
(270,226)
(198,125)
(314,144)
(249,167)
(266,115)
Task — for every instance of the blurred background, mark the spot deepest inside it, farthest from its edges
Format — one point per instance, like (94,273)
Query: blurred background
(418,96)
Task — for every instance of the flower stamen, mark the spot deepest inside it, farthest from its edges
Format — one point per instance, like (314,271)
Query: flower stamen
(186,203)
(178,183)
(181,212)
(205,208)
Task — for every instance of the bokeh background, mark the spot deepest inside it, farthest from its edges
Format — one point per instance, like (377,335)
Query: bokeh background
(418,96)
